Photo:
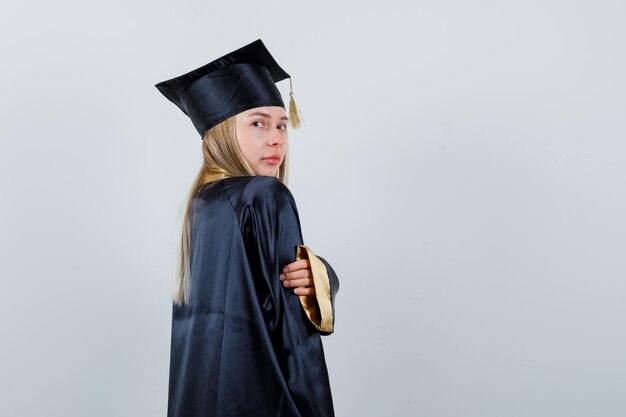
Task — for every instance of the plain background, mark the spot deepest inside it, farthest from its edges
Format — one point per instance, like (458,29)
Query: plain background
(462,166)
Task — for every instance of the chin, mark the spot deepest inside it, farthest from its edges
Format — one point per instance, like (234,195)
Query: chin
(266,172)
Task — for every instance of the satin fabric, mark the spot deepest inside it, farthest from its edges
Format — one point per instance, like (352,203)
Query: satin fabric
(318,307)
(240,80)
(218,95)
(243,345)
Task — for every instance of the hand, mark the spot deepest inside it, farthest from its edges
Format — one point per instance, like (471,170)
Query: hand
(298,274)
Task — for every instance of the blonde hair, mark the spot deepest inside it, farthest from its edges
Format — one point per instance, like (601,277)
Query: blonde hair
(221,158)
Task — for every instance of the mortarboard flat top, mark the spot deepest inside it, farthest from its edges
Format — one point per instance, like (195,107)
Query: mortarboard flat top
(238,81)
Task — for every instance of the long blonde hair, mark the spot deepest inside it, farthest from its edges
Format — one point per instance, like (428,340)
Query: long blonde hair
(221,158)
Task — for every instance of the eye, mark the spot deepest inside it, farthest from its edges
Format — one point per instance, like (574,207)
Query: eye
(257,123)
(282,127)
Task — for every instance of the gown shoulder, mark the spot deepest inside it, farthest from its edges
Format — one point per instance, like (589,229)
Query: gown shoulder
(259,193)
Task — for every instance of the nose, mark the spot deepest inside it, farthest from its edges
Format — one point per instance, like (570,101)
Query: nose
(276,138)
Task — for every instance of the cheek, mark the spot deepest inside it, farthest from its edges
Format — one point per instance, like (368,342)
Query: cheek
(249,146)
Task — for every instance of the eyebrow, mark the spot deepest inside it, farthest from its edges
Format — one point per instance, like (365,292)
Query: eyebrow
(259,113)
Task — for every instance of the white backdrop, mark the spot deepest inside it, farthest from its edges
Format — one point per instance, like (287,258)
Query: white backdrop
(462,167)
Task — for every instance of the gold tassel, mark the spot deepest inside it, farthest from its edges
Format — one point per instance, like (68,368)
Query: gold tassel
(295,117)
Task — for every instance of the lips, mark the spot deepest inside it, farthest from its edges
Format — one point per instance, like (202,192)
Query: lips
(273,159)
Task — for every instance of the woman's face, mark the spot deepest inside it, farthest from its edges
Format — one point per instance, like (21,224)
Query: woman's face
(262,138)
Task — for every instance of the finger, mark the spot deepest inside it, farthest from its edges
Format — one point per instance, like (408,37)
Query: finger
(302,282)
(300,264)
(301,273)
(304,291)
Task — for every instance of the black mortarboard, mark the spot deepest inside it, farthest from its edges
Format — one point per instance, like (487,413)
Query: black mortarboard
(238,81)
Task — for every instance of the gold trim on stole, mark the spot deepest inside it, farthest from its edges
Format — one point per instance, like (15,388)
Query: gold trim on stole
(318,307)
(216,174)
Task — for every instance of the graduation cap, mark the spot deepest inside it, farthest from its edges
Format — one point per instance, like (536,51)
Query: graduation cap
(238,81)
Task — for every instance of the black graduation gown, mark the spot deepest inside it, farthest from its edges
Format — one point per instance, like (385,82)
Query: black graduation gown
(243,345)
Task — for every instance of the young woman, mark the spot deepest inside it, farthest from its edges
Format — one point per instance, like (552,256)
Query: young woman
(250,300)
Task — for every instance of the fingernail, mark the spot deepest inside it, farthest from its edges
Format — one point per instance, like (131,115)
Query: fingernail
(285,269)
(282,277)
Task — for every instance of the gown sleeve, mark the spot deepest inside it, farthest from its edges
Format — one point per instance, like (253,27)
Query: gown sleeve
(320,307)
(272,235)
